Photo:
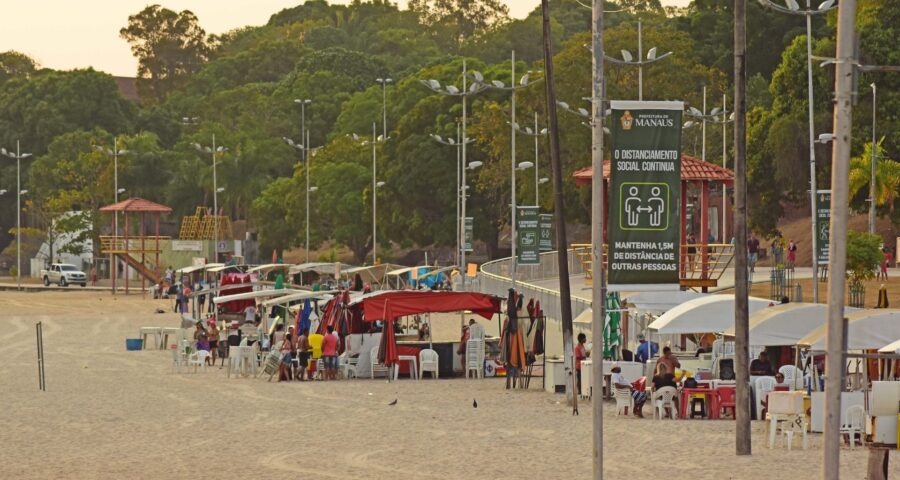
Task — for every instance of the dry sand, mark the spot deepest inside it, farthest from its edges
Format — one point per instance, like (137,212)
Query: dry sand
(109,413)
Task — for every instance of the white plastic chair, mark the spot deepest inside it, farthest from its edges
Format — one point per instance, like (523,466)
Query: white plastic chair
(476,332)
(855,424)
(764,385)
(665,398)
(198,359)
(624,400)
(178,359)
(348,365)
(376,366)
(428,362)
(475,358)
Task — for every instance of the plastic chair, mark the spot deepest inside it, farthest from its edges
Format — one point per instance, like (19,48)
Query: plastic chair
(476,332)
(726,400)
(348,365)
(475,358)
(178,359)
(377,367)
(624,400)
(198,359)
(428,362)
(764,385)
(855,424)
(665,398)
(791,375)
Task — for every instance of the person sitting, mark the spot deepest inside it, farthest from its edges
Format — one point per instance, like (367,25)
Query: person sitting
(668,361)
(761,366)
(662,381)
(780,384)
(620,382)
(645,350)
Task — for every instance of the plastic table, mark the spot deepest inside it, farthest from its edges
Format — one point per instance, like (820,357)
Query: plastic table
(712,401)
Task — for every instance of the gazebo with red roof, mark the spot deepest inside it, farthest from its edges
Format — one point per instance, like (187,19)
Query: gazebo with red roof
(122,247)
(693,171)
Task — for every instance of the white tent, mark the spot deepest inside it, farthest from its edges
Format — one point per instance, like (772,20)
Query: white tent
(657,303)
(785,325)
(892,347)
(709,314)
(255,295)
(296,297)
(870,328)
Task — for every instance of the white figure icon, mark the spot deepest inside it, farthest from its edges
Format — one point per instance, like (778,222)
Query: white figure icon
(657,206)
(633,206)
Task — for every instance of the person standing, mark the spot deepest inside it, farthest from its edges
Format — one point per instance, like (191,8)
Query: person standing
(752,252)
(886,260)
(284,369)
(691,252)
(792,254)
(580,354)
(645,349)
(303,354)
(668,361)
(778,251)
(329,354)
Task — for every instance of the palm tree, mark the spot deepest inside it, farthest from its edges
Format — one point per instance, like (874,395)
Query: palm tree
(887,176)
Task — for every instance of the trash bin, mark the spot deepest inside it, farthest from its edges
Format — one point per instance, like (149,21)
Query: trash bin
(798,293)
(132,344)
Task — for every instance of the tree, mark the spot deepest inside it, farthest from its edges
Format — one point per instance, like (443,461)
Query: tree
(887,177)
(15,65)
(169,46)
(863,255)
(276,209)
(465,18)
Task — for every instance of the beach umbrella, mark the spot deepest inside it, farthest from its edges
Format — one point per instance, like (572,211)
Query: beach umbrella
(612,337)
(387,350)
(303,320)
(513,346)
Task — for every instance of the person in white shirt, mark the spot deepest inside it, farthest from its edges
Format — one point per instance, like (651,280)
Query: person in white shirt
(619,381)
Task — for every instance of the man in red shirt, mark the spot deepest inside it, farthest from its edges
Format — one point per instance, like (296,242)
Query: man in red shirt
(329,354)
(580,354)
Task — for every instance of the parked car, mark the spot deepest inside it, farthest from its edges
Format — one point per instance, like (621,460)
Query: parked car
(63,274)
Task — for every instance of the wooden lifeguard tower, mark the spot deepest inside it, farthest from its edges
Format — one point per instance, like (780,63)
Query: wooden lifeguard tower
(702,263)
(133,250)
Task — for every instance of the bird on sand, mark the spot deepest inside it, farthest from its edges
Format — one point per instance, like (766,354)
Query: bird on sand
(474,403)
(393,403)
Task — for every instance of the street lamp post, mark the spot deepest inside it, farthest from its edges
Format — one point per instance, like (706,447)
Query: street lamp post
(466,91)
(794,9)
(376,139)
(714,118)
(384,83)
(627,59)
(456,144)
(536,133)
(114,153)
(214,151)
(499,85)
(305,151)
(18,156)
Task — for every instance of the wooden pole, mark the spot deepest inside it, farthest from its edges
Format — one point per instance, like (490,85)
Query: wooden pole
(837,256)
(565,299)
(598,226)
(741,284)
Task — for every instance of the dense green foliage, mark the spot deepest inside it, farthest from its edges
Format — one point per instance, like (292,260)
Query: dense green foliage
(241,87)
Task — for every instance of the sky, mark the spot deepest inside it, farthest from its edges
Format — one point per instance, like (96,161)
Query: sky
(66,34)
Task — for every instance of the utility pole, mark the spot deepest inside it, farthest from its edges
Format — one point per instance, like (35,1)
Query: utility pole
(598,273)
(724,237)
(837,258)
(513,239)
(872,190)
(741,282)
(565,296)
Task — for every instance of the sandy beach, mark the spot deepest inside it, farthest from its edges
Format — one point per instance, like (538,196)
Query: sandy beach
(110,413)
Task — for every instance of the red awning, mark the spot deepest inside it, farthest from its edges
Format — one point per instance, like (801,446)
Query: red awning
(412,302)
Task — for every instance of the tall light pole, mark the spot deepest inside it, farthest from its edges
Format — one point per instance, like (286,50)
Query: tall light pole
(627,59)
(114,153)
(18,156)
(499,85)
(714,117)
(384,83)
(456,144)
(536,133)
(463,94)
(874,160)
(376,139)
(794,9)
(303,102)
(214,151)
(305,151)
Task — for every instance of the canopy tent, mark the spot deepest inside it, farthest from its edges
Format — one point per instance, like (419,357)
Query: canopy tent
(870,328)
(413,302)
(322,268)
(223,268)
(270,267)
(289,296)
(257,294)
(893,347)
(657,303)
(709,314)
(784,325)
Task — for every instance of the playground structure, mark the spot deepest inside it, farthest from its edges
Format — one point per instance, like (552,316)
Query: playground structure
(202,226)
(134,250)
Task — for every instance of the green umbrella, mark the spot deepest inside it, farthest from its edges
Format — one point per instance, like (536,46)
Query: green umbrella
(612,327)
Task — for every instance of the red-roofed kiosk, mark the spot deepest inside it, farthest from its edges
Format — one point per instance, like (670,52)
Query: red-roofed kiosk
(125,247)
